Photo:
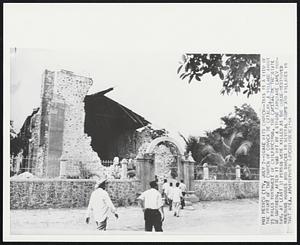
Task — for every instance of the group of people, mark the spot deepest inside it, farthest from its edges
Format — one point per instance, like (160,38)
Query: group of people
(151,202)
(174,195)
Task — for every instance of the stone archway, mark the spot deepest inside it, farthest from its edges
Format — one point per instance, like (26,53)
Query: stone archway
(146,163)
(159,140)
(176,167)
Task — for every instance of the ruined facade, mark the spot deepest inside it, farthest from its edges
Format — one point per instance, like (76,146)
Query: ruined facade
(59,134)
(72,130)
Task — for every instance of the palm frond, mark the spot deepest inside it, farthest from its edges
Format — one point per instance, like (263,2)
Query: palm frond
(244,148)
(226,145)
(216,158)
(208,149)
(229,159)
(234,135)
(185,140)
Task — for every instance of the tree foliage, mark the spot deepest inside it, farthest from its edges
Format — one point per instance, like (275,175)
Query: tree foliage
(236,142)
(155,133)
(195,147)
(239,72)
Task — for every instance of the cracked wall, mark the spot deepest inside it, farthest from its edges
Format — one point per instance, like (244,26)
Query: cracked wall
(59,145)
(60,133)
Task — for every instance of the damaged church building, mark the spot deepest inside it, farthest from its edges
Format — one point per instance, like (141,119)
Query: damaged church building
(72,131)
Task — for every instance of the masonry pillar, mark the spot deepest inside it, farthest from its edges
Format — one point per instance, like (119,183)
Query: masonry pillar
(188,166)
(237,172)
(145,169)
(124,163)
(205,171)
(180,166)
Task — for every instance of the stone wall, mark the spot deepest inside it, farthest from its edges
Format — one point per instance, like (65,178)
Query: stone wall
(55,193)
(216,190)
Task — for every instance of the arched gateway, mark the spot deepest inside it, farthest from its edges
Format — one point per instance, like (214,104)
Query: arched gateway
(146,163)
(167,166)
(159,140)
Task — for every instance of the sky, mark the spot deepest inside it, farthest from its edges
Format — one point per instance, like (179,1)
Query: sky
(136,48)
(145,82)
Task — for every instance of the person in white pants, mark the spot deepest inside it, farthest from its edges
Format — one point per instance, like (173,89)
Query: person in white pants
(99,206)
(177,195)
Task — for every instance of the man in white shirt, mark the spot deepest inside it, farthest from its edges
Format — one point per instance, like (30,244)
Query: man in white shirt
(182,187)
(99,206)
(152,206)
(177,195)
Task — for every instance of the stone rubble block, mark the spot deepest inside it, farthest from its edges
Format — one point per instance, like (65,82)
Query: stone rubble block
(192,198)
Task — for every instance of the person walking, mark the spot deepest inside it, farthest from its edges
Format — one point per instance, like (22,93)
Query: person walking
(182,187)
(156,179)
(152,205)
(169,194)
(177,195)
(99,206)
(165,188)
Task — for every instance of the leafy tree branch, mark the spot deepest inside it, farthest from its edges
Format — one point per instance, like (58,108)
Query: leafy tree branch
(239,73)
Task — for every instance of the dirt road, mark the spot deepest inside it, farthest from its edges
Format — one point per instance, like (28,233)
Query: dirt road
(219,217)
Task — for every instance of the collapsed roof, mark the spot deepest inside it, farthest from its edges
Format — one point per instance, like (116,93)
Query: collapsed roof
(106,119)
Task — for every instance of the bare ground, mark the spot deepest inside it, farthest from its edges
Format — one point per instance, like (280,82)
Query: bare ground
(204,218)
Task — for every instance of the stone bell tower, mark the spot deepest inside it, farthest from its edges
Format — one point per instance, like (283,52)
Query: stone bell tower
(63,145)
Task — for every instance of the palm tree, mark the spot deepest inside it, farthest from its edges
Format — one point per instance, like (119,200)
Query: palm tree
(236,146)
(231,148)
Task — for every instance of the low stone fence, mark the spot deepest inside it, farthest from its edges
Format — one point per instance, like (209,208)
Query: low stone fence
(67,193)
(216,190)
(74,193)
